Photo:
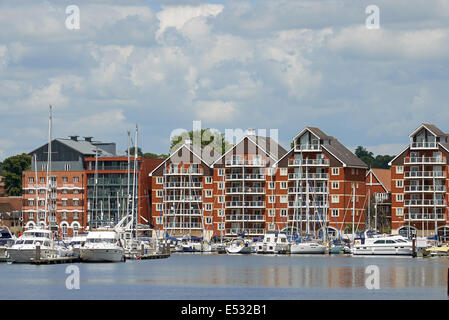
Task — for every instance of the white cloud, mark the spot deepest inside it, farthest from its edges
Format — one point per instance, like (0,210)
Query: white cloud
(216,111)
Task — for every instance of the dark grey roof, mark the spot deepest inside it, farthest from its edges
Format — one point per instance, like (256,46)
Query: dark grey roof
(434,129)
(271,146)
(320,134)
(343,154)
(85,147)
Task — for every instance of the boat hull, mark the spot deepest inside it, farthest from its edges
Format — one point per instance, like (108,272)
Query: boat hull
(238,250)
(381,250)
(303,248)
(19,255)
(102,255)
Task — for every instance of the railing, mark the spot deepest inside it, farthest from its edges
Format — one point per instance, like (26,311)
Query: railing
(246,204)
(312,204)
(423,145)
(103,181)
(311,218)
(308,162)
(311,190)
(193,212)
(249,231)
(178,225)
(245,190)
(183,185)
(245,218)
(193,171)
(183,198)
(424,174)
(425,202)
(239,176)
(312,176)
(425,160)
(308,147)
(424,216)
(245,162)
(425,188)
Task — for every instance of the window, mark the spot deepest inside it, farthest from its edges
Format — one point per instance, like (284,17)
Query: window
(159,180)
(76,191)
(335,213)
(76,179)
(335,185)
(31,202)
(208,220)
(271,199)
(75,216)
(399,211)
(220,186)
(208,193)
(76,202)
(399,169)
(271,185)
(65,179)
(283,199)
(335,199)
(64,191)
(64,216)
(159,193)
(399,197)
(42,179)
(220,199)
(208,180)
(399,183)
(271,226)
(64,202)
(271,212)
(31,191)
(158,206)
(220,212)
(283,171)
(352,171)
(335,171)
(221,226)
(30,180)
(283,212)
(283,185)
(208,206)
(30,215)
(221,172)
(158,220)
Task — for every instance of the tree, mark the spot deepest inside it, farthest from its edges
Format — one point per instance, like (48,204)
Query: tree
(132,151)
(145,155)
(207,137)
(380,161)
(11,169)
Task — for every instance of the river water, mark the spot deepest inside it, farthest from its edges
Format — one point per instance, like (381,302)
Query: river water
(186,276)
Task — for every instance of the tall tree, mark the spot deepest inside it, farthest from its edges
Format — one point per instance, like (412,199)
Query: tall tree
(207,137)
(380,161)
(11,169)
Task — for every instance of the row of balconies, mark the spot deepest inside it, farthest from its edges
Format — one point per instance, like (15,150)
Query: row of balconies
(323,190)
(191,212)
(245,163)
(425,174)
(423,145)
(311,204)
(252,190)
(424,216)
(308,176)
(425,202)
(245,204)
(424,188)
(310,218)
(425,160)
(251,218)
(308,147)
(184,171)
(185,198)
(239,176)
(309,162)
(176,185)
(184,225)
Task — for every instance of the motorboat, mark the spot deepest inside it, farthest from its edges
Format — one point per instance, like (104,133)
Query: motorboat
(34,243)
(273,242)
(436,251)
(382,245)
(102,246)
(77,242)
(238,246)
(307,247)
(6,240)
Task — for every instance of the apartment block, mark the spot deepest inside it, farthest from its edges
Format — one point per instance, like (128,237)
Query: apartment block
(419,184)
(378,188)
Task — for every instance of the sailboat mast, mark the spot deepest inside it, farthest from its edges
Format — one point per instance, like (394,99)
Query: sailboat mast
(47,204)
(129,162)
(353,210)
(37,187)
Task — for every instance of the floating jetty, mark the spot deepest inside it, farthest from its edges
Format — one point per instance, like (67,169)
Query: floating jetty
(55,260)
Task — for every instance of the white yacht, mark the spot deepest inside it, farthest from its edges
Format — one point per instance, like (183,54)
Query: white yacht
(307,247)
(7,239)
(239,245)
(24,248)
(382,245)
(102,246)
(273,242)
(77,242)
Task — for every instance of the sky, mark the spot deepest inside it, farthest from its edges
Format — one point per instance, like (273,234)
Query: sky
(261,64)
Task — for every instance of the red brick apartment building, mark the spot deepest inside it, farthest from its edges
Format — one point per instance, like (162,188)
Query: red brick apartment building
(257,186)
(419,181)
(378,192)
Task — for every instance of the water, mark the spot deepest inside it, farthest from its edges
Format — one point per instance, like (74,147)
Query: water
(212,276)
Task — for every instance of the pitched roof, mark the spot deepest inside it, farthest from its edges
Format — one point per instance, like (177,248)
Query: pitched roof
(432,128)
(316,131)
(343,154)
(271,146)
(384,177)
(84,147)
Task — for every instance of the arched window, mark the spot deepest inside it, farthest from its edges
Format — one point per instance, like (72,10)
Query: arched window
(64,229)
(76,228)
(405,232)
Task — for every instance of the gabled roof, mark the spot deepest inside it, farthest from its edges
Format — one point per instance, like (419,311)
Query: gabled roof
(432,128)
(383,176)
(343,154)
(315,131)
(84,147)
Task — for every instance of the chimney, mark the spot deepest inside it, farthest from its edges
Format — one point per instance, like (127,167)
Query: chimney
(88,139)
(74,138)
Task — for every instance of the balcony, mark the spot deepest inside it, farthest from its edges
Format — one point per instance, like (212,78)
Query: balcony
(311,190)
(184,198)
(425,174)
(424,217)
(425,188)
(425,203)
(308,176)
(423,145)
(250,190)
(193,212)
(303,218)
(185,185)
(249,231)
(425,160)
(241,218)
(245,204)
(179,225)
(239,176)
(309,162)
(184,171)
(308,147)
(311,204)
(245,163)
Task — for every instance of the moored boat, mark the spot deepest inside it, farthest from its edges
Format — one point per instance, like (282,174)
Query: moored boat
(102,246)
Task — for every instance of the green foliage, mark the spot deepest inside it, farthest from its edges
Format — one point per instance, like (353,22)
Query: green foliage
(155,155)
(11,169)
(379,162)
(207,137)
(132,150)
